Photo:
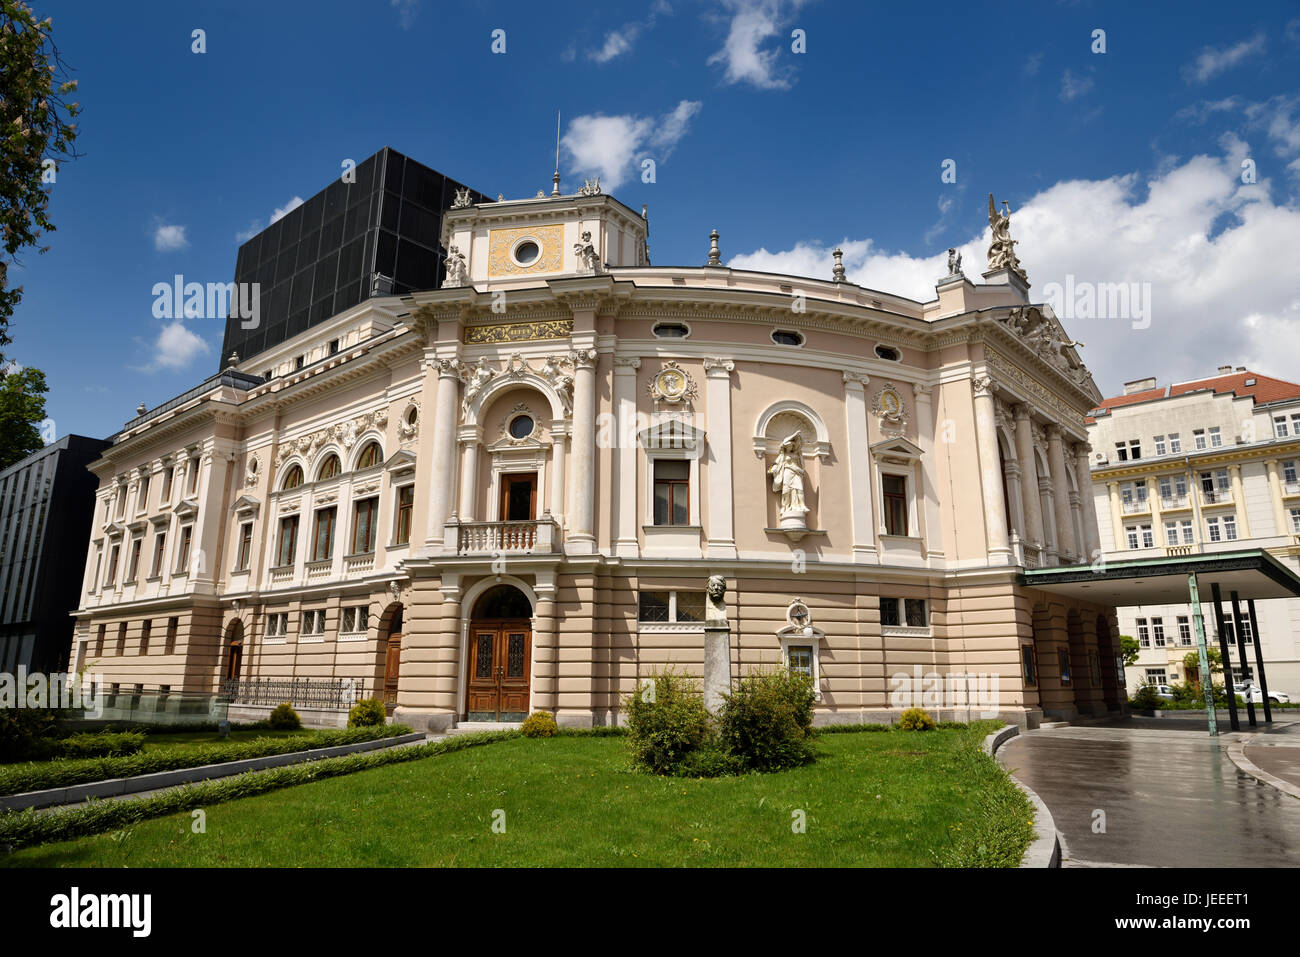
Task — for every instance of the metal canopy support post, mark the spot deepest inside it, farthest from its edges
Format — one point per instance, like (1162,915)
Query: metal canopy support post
(1207,680)
(1240,634)
(1259,660)
(1228,689)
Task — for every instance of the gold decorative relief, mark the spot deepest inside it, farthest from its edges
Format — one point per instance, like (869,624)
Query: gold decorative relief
(518,331)
(502,243)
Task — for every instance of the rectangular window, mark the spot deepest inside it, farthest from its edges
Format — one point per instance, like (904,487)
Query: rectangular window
(1028,670)
(1144,633)
(1279,427)
(405,506)
(1222,481)
(121,639)
(183,550)
(1189,533)
(1216,534)
(288,541)
(111,578)
(313,621)
(1230,528)
(672,485)
(173,625)
(1063,657)
(900,612)
(99,641)
(1216,437)
(894,490)
(799,658)
(1175,443)
(669,607)
(245,546)
(277,625)
(142,501)
(192,475)
(146,630)
(1139,536)
(1156,676)
(1295,520)
(915,610)
(889,616)
(364,514)
(334,347)
(1289,473)
(323,541)
(159,546)
(1171,533)
(1121,451)
(99,562)
(1148,540)
(1134,449)
(1166,489)
(121,500)
(355,620)
(1198,436)
(1184,630)
(1158,632)
(1160,444)
(165,496)
(133,561)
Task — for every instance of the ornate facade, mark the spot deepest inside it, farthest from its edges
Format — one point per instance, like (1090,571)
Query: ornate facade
(506,494)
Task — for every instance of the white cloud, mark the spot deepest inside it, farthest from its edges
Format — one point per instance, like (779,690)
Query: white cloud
(751,24)
(244,235)
(168,239)
(1208,245)
(406,12)
(1032,64)
(1212,62)
(610,146)
(284,210)
(176,347)
(620,41)
(1073,87)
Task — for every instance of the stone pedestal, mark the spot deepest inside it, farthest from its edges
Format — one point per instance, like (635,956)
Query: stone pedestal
(717,665)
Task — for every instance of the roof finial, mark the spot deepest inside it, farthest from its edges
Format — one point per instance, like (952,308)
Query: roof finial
(715,254)
(555,189)
(838,271)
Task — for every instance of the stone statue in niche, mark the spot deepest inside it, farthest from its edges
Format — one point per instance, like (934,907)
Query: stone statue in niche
(475,383)
(715,609)
(585,252)
(457,270)
(788,476)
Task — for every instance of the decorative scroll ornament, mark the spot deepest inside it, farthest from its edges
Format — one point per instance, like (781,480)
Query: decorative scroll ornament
(1042,336)
(888,406)
(672,384)
(521,409)
(478,376)
(1002,248)
(345,433)
(983,385)
(589,188)
(462,200)
(409,425)
(518,331)
(251,470)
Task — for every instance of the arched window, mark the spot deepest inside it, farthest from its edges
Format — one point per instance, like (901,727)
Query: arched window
(293,478)
(371,456)
(329,468)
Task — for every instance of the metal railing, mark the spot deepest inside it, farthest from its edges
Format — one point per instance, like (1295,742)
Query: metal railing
(319,694)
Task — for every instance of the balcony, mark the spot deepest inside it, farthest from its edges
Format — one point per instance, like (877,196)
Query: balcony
(1134,506)
(1168,502)
(536,537)
(1291,488)
(1216,496)
(1180,550)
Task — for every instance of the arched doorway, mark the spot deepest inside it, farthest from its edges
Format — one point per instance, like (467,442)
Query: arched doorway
(500,656)
(391,630)
(234,651)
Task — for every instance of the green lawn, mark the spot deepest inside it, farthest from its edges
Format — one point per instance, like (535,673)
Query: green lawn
(183,739)
(895,799)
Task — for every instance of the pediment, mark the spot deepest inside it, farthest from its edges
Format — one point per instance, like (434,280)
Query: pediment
(896,448)
(400,462)
(246,505)
(671,434)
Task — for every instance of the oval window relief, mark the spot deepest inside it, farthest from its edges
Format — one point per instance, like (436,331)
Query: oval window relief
(787,337)
(521,426)
(671,330)
(888,352)
(527,252)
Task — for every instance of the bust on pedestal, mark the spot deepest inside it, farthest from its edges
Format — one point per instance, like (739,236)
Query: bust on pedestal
(717,645)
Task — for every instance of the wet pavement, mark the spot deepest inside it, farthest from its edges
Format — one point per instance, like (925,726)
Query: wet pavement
(1158,793)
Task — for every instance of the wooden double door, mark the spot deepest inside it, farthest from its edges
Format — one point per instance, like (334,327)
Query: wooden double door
(500,665)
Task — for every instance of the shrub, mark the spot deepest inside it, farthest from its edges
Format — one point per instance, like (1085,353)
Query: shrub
(101,745)
(1146,699)
(25,733)
(710,761)
(916,719)
(284,718)
(539,724)
(766,723)
(666,720)
(366,713)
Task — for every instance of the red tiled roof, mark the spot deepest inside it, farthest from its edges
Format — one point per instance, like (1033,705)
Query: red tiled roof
(1265,389)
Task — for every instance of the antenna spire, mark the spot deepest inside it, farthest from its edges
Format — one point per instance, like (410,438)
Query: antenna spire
(555,189)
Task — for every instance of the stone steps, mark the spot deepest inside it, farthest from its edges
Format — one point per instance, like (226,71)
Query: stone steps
(470,727)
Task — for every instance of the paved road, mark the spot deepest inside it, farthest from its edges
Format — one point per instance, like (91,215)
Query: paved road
(1171,797)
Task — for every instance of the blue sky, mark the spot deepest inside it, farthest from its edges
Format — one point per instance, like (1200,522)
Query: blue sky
(1122,166)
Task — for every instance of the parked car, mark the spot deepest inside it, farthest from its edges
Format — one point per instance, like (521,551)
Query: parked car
(1163,691)
(1256,694)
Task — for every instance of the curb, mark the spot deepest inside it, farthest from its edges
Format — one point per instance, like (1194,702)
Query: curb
(1045,851)
(1237,753)
(114,787)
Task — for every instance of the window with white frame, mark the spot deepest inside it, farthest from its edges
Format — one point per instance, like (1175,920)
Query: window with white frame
(670,607)
(1156,676)
(904,613)
(1216,437)
(183,550)
(277,625)
(1139,536)
(1280,429)
(1171,533)
(1189,532)
(1229,632)
(1175,443)
(1214,529)
(1230,528)
(1198,437)
(1295,520)
(799,659)
(893,491)
(1144,633)
(1290,475)
(1160,444)
(1130,450)
(354,621)
(313,623)
(1184,630)
(1158,632)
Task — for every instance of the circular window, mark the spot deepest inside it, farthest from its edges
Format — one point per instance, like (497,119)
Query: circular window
(527,252)
(522,426)
(412,415)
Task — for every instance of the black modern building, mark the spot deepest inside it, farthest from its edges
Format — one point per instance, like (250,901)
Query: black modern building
(47,504)
(375,236)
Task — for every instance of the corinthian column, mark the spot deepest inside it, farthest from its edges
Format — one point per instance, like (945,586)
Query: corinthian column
(1060,493)
(1083,478)
(444,447)
(1029,500)
(581,538)
(995,512)
(721,534)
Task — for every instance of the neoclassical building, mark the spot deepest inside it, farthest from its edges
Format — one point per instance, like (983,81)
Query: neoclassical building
(507,493)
